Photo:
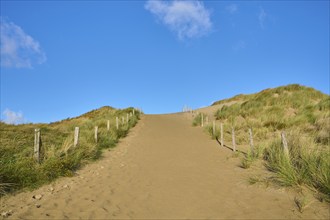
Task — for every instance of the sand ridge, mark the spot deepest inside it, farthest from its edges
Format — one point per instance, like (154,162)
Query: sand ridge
(164,169)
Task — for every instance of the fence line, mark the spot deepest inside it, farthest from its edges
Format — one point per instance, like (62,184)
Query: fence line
(249,137)
(38,140)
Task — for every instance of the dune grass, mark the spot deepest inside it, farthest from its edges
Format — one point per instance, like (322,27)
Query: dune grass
(59,157)
(197,121)
(304,113)
(307,164)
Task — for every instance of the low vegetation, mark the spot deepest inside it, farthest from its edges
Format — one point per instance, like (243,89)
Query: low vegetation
(59,157)
(304,114)
(197,121)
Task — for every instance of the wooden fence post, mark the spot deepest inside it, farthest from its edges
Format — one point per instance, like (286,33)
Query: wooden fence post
(76,136)
(285,144)
(251,141)
(233,137)
(95,133)
(221,134)
(117,123)
(213,130)
(37,141)
(108,125)
(202,120)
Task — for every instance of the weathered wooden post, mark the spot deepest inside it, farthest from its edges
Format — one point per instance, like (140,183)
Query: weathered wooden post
(221,134)
(233,137)
(285,144)
(213,130)
(117,123)
(76,136)
(108,125)
(202,120)
(37,141)
(95,133)
(251,141)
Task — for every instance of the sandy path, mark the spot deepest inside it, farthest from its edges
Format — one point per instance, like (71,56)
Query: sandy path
(164,169)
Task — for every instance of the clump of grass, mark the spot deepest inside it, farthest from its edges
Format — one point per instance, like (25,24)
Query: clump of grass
(253,180)
(214,134)
(280,164)
(247,160)
(302,203)
(18,169)
(251,157)
(4,187)
(305,164)
(197,121)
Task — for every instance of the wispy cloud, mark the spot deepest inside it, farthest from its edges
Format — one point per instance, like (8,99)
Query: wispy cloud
(11,117)
(262,16)
(232,8)
(18,49)
(188,19)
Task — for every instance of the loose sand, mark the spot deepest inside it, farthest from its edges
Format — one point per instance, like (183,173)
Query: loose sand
(164,169)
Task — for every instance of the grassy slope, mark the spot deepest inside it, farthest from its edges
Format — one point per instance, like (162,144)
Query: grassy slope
(59,158)
(304,114)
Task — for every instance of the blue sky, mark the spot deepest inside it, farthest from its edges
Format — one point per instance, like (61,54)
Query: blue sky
(61,59)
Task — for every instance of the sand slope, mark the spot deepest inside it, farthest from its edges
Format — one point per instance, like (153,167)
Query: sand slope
(164,169)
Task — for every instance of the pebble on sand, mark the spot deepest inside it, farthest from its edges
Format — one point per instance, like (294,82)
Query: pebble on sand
(37,197)
(6,213)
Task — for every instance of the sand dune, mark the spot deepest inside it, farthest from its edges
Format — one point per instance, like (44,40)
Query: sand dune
(164,169)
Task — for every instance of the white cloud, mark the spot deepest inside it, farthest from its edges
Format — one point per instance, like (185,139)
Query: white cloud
(233,8)
(188,19)
(262,17)
(18,49)
(12,117)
